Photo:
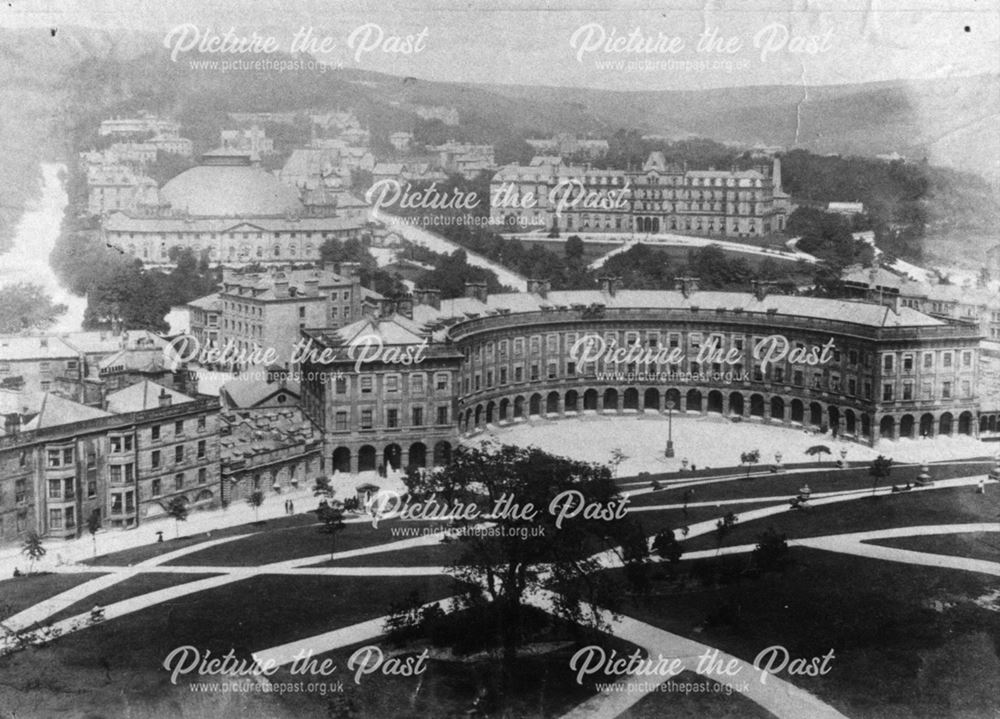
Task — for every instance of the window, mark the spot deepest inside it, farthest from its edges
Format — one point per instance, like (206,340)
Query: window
(852,386)
(571,368)
(535,344)
(928,360)
(154,432)
(926,390)
(534,371)
(91,488)
(201,423)
(156,489)
(201,449)
(907,363)
(366,419)
(797,377)
(477,381)
(54,458)
(55,518)
(55,489)
(178,481)
(552,370)
(154,458)
(340,385)
(416,384)
(441,381)
(503,375)
(442,414)
(115,473)
(179,453)
(340,422)
(179,427)
(202,475)
(392,418)
(489,378)
(887,362)
(366,384)
(946,390)
(20,491)
(392,383)
(908,389)
(966,359)
(868,390)
(946,359)
(518,346)
(417,416)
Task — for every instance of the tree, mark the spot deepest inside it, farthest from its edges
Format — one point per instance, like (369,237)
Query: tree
(94,524)
(322,488)
(879,469)
(749,459)
(617,457)
(722,529)
(540,544)
(178,509)
(573,248)
(667,547)
(27,306)
(32,548)
(256,499)
(771,552)
(331,516)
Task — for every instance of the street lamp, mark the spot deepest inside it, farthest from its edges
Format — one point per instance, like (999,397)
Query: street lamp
(670,428)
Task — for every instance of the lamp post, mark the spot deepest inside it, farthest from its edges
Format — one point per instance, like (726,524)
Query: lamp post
(670,428)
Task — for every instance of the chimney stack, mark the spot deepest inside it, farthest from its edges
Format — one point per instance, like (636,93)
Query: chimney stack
(476,290)
(610,285)
(312,287)
(280,284)
(428,296)
(165,399)
(760,289)
(404,306)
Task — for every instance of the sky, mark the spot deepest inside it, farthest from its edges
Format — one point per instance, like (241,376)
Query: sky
(584,43)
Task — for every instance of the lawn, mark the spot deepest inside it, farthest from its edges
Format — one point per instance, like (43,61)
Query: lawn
(705,698)
(976,545)
(827,480)
(908,641)
(958,505)
(20,593)
(131,587)
(440,554)
(128,557)
(300,542)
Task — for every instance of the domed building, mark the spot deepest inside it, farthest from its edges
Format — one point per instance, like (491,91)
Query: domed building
(235,211)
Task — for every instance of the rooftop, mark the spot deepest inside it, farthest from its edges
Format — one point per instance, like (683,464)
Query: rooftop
(142,396)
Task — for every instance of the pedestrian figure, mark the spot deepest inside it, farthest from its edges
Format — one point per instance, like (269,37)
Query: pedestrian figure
(982,486)
(291,507)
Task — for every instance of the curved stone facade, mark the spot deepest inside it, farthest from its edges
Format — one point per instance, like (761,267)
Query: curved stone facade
(877,381)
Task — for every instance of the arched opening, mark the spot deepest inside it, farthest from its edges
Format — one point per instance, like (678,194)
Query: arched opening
(611,399)
(442,453)
(535,404)
(866,426)
(468,419)
(504,408)
(651,399)
(572,398)
(518,406)
(715,401)
(887,427)
(366,459)
(342,459)
(815,414)
(850,422)
(945,425)
(631,398)
(984,424)
(736,403)
(418,454)
(392,455)
(965,423)
(552,403)
(778,409)
(833,418)
(797,410)
(204,495)
(927,425)
(907,425)
(479,415)
(992,426)
(590,399)
(756,405)
(693,400)
(490,410)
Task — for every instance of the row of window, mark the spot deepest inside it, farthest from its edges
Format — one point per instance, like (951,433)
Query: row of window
(393,418)
(156,457)
(927,361)
(392,383)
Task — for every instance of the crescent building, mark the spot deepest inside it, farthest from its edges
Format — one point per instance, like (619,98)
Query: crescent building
(855,369)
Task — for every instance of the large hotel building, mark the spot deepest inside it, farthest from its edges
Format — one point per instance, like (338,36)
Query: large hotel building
(856,369)
(661,197)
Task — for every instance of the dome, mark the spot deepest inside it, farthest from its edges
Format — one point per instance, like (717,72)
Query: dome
(230,188)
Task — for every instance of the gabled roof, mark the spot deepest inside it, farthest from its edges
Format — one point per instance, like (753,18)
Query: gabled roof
(247,393)
(142,396)
(56,410)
